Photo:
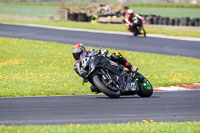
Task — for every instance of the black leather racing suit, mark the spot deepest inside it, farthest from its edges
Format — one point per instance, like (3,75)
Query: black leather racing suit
(116,57)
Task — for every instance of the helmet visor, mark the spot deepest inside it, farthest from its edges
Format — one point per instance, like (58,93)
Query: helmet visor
(130,11)
(76,56)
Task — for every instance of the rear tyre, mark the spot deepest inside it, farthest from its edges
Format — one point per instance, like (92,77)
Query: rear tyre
(135,33)
(99,84)
(134,30)
(143,33)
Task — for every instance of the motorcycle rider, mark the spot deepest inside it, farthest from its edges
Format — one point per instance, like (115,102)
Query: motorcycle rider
(129,18)
(79,49)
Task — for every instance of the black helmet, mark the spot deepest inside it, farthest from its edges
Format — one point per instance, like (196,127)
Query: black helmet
(77,50)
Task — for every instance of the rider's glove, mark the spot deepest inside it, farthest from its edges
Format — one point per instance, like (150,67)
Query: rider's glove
(104,51)
(92,50)
(84,80)
(83,73)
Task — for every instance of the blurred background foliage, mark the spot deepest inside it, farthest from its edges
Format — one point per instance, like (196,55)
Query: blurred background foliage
(138,1)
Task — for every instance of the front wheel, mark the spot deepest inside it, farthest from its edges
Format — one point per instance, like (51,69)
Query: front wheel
(143,32)
(99,84)
(145,88)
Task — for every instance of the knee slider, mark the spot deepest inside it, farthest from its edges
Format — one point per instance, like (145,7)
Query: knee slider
(117,56)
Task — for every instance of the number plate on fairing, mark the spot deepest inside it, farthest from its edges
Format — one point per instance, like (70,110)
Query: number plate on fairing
(133,86)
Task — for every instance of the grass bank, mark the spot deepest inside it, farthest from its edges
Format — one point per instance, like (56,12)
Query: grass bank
(37,68)
(28,10)
(107,27)
(171,5)
(171,12)
(146,127)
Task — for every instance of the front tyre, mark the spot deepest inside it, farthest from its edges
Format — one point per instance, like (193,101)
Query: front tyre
(145,89)
(143,32)
(99,84)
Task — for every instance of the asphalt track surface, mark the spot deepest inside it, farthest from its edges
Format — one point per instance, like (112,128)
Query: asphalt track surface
(116,41)
(94,109)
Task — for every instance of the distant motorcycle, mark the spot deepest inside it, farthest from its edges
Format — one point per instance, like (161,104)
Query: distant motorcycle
(137,27)
(110,77)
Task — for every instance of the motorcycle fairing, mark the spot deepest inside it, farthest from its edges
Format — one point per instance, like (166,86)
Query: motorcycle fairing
(101,62)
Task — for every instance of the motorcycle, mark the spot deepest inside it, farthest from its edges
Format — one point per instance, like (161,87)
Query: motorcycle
(111,78)
(137,27)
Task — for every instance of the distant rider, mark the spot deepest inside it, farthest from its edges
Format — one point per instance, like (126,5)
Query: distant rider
(79,49)
(129,18)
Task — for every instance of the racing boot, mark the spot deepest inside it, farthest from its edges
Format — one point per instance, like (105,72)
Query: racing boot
(131,67)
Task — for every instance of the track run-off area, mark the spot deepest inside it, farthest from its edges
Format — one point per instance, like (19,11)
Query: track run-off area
(175,106)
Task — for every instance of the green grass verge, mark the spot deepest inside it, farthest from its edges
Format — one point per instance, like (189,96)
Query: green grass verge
(146,127)
(28,10)
(169,11)
(33,3)
(107,27)
(37,68)
(164,5)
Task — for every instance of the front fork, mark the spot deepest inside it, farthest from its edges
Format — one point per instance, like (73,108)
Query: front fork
(108,80)
(106,77)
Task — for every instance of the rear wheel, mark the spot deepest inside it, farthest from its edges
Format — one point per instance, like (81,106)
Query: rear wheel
(100,85)
(134,30)
(135,33)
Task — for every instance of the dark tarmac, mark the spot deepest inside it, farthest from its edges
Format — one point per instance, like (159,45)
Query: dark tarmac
(95,109)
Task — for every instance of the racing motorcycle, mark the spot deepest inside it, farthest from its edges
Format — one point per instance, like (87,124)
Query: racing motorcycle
(137,27)
(111,78)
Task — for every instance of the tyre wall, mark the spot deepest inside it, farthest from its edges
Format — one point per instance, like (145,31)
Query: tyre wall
(81,17)
(150,19)
(158,20)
